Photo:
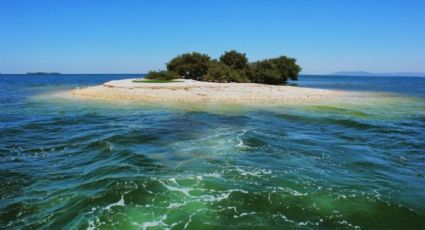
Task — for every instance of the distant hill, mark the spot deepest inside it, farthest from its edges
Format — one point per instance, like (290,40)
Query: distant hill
(363,73)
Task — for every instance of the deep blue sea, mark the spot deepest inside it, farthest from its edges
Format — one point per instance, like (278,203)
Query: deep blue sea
(75,164)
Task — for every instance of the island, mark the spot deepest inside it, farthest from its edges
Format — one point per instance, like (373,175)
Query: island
(43,73)
(195,77)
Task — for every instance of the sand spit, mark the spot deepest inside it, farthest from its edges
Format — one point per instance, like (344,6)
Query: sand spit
(184,90)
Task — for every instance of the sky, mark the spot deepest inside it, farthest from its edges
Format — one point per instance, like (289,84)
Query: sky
(135,36)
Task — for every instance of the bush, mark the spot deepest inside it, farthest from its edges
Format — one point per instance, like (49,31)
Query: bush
(220,72)
(162,75)
(234,59)
(191,65)
(274,71)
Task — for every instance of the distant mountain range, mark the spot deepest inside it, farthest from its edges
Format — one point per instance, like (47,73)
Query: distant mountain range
(363,73)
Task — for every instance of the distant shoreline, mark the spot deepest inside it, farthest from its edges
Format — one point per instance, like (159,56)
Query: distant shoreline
(368,74)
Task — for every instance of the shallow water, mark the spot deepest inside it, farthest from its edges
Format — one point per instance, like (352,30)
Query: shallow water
(95,165)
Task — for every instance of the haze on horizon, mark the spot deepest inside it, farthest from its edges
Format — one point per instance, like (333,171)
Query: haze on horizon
(137,36)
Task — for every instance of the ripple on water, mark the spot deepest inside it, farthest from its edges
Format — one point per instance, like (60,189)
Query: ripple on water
(87,165)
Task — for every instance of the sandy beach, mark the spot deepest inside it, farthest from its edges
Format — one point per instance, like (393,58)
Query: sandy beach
(184,90)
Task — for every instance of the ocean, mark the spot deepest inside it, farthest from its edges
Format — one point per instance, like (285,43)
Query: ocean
(74,164)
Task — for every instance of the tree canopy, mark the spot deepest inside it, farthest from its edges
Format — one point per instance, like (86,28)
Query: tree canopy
(191,65)
(234,59)
(232,66)
(274,70)
(220,72)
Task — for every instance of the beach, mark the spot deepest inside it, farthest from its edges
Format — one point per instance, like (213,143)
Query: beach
(184,90)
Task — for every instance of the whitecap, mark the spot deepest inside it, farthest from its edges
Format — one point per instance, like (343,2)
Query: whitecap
(210,198)
(159,222)
(214,174)
(121,202)
(175,205)
(254,172)
(244,214)
(177,189)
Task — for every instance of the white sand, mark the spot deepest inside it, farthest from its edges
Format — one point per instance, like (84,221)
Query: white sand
(196,91)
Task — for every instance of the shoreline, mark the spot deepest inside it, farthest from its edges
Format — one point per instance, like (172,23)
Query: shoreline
(192,91)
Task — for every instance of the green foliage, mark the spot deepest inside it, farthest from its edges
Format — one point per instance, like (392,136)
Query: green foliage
(220,72)
(264,72)
(287,67)
(274,71)
(234,59)
(191,65)
(161,75)
(232,67)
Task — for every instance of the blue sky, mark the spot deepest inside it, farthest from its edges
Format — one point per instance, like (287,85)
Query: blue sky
(105,36)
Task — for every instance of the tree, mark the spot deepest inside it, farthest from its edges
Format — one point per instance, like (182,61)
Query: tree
(274,71)
(234,59)
(264,72)
(287,67)
(190,65)
(220,72)
(162,75)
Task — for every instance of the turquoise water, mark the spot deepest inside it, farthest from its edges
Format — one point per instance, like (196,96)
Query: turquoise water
(71,164)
